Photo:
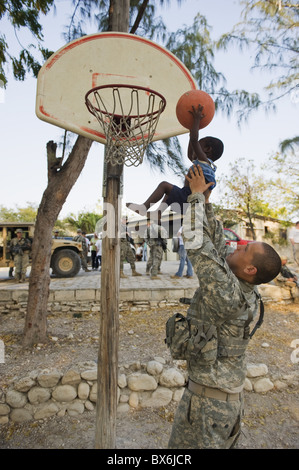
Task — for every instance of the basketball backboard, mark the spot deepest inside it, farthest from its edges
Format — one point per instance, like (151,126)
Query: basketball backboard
(103,59)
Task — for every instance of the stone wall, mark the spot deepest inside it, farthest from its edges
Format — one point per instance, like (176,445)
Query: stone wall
(45,393)
(88,300)
(49,392)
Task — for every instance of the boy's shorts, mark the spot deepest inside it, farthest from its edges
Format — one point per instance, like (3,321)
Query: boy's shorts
(177,198)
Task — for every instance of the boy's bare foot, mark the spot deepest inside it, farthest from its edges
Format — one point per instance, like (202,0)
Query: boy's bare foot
(138,208)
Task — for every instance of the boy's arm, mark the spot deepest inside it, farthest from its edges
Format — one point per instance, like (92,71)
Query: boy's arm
(194,147)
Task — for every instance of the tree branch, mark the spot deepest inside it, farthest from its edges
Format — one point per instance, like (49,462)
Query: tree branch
(139,16)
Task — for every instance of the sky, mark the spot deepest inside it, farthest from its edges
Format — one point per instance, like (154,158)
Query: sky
(23,137)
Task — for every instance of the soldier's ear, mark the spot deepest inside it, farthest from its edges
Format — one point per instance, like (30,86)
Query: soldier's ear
(250,270)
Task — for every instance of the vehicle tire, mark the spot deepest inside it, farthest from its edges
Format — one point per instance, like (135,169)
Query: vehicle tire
(65,263)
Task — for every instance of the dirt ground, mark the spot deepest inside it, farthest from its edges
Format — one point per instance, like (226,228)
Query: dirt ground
(271,420)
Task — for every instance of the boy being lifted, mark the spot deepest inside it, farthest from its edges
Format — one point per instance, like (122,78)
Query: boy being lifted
(203,152)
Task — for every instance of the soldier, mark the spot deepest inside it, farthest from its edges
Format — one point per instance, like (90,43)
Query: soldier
(83,255)
(126,252)
(214,336)
(286,277)
(155,237)
(20,248)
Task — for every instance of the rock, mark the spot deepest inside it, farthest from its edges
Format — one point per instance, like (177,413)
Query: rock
(4,409)
(256,370)
(122,381)
(83,391)
(24,384)
(49,378)
(160,359)
(134,400)
(172,378)
(263,385)
(20,415)
(71,377)
(248,385)
(160,397)
(123,408)
(88,405)
(279,385)
(64,393)
(154,367)
(39,395)
(124,398)
(75,408)
(16,399)
(4,420)
(46,410)
(177,394)
(90,374)
(140,382)
(93,393)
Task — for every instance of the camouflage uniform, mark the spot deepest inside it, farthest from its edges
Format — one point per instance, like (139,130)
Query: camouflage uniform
(151,236)
(218,318)
(83,254)
(20,249)
(126,252)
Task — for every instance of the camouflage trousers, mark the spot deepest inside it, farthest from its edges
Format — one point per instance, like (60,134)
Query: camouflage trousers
(155,260)
(21,263)
(83,256)
(205,423)
(126,253)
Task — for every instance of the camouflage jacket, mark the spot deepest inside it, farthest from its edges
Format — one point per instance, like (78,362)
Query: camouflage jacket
(80,239)
(222,304)
(19,246)
(155,235)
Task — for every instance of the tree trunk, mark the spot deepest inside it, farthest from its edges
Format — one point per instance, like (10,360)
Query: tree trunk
(105,437)
(60,182)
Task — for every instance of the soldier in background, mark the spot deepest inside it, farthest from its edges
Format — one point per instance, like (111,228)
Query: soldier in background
(81,239)
(286,276)
(156,238)
(126,252)
(20,248)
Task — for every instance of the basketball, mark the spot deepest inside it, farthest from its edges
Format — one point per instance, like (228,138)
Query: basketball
(194,98)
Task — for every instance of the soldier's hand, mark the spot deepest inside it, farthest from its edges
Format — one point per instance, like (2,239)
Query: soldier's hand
(197,180)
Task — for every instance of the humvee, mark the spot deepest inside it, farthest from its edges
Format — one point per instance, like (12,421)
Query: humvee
(65,253)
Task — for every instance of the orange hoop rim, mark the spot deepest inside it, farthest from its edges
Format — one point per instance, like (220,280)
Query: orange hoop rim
(132,87)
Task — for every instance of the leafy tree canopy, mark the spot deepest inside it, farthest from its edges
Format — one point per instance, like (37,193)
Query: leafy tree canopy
(270,29)
(19,214)
(23,14)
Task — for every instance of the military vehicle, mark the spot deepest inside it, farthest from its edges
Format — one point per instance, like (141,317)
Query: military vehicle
(65,253)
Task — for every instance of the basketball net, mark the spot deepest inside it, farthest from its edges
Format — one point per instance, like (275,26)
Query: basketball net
(129,122)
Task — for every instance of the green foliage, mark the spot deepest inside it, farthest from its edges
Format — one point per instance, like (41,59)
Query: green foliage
(19,214)
(86,221)
(23,14)
(243,191)
(283,186)
(229,217)
(290,145)
(273,193)
(194,47)
(270,29)
(166,153)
